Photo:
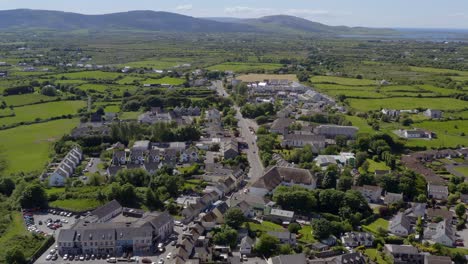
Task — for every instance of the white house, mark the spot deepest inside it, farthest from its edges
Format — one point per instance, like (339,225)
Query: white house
(441,233)
(246,245)
(400,225)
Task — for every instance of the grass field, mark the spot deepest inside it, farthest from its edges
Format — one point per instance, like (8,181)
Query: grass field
(261,77)
(448,134)
(43,111)
(130,80)
(265,226)
(373,166)
(112,109)
(438,71)
(27,148)
(24,99)
(374,255)
(88,75)
(155,64)
(244,66)
(165,80)
(342,80)
(129,115)
(361,124)
(76,205)
(365,105)
(373,227)
(306,235)
(463,170)
(57,190)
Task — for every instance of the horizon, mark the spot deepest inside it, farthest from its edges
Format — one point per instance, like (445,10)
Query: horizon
(420,14)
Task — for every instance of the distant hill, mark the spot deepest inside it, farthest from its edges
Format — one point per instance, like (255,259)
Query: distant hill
(168,22)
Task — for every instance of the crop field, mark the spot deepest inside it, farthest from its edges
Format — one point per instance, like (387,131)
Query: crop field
(25,99)
(27,148)
(43,111)
(342,80)
(244,67)
(261,77)
(165,80)
(88,75)
(407,103)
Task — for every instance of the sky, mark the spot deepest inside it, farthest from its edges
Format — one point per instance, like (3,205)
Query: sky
(369,13)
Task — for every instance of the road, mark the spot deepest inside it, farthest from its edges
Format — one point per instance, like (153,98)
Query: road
(256,166)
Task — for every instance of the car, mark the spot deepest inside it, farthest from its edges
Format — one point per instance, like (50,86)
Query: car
(55,257)
(244,258)
(173,243)
(52,251)
(40,222)
(71,257)
(169,255)
(69,214)
(77,216)
(65,257)
(459,244)
(82,257)
(87,257)
(111,260)
(48,257)
(64,221)
(161,261)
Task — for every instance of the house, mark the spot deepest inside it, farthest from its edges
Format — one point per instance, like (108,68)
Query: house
(281,125)
(344,158)
(348,258)
(288,259)
(391,198)
(391,113)
(113,170)
(279,216)
(331,131)
(404,254)
(418,133)
(441,233)
(250,204)
(433,214)
(246,245)
(284,237)
(298,141)
(356,239)
(213,115)
(288,176)
(370,192)
(230,149)
(439,192)
(3,74)
(119,157)
(220,209)
(432,259)
(137,156)
(400,225)
(432,113)
(417,210)
(141,145)
(66,167)
(189,155)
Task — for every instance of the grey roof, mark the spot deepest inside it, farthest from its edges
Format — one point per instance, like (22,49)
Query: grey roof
(280,235)
(289,259)
(246,241)
(273,177)
(401,249)
(107,209)
(66,235)
(282,213)
(400,219)
(432,259)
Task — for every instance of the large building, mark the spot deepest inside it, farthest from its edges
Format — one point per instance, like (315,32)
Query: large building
(114,230)
(331,131)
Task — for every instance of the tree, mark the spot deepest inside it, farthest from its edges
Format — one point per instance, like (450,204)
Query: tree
(15,256)
(49,90)
(225,236)
(33,196)
(7,185)
(234,217)
(460,210)
(294,228)
(329,180)
(322,228)
(267,245)
(345,183)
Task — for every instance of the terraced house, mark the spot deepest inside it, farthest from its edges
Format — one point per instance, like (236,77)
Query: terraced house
(66,167)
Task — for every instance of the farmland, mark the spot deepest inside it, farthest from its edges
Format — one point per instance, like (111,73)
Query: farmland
(27,148)
(407,103)
(24,99)
(261,77)
(88,75)
(244,67)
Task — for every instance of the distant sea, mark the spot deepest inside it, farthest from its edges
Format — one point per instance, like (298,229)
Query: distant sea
(421,34)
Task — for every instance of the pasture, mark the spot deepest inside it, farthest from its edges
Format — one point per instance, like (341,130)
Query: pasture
(25,99)
(449,134)
(342,80)
(261,77)
(244,66)
(165,80)
(31,113)
(365,105)
(88,75)
(28,148)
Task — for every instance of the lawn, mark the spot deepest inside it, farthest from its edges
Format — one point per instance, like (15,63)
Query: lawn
(261,77)
(373,166)
(373,227)
(342,80)
(129,115)
(76,205)
(129,80)
(57,190)
(112,109)
(27,148)
(265,226)
(165,80)
(16,235)
(374,255)
(306,235)
(438,71)
(25,99)
(43,111)
(403,103)
(463,170)
(244,66)
(361,123)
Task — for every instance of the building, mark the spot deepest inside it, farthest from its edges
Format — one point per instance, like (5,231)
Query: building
(284,237)
(400,225)
(101,233)
(418,133)
(317,142)
(439,192)
(246,246)
(404,254)
(432,113)
(344,158)
(433,213)
(441,233)
(283,176)
(391,198)
(281,125)
(416,211)
(331,131)
(391,113)
(288,259)
(66,167)
(279,216)
(348,258)
(230,149)
(432,259)
(356,239)
(370,192)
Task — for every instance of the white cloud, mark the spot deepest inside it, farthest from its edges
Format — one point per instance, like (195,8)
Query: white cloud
(186,7)
(245,11)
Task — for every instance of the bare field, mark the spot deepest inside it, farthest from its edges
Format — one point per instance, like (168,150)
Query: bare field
(262,77)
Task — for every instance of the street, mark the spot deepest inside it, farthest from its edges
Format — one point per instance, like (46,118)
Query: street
(256,166)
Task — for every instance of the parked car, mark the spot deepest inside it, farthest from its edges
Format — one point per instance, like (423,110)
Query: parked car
(48,257)
(111,260)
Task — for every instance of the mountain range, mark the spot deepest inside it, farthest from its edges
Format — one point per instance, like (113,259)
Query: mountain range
(168,22)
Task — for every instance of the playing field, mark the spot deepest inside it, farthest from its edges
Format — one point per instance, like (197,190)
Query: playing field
(27,148)
(30,113)
(262,77)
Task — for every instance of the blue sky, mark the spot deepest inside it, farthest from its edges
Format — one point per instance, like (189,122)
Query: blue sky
(371,13)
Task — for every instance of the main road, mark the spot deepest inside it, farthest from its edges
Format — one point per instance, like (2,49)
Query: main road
(256,166)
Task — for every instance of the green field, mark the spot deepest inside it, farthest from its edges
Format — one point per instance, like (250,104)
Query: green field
(373,227)
(76,205)
(265,226)
(448,134)
(27,148)
(129,115)
(342,80)
(112,109)
(88,75)
(244,67)
(438,71)
(165,80)
(374,255)
(306,235)
(130,80)
(463,170)
(361,124)
(373,166)
(43,111)
(155,64)
(25,99)
(365,105)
